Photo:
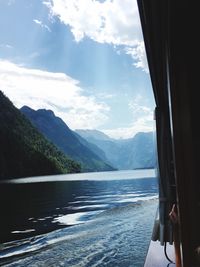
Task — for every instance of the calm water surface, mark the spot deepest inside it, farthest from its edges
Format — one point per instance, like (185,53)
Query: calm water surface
(95,219)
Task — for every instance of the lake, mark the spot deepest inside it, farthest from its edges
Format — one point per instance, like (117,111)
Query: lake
(87,219)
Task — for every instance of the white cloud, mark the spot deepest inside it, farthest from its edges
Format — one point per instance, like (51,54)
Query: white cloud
(113,22)
(55,91)
(128,132)
(142,117)
(139,55)
(39,22)
(6,46)
(138,109)
(141,124)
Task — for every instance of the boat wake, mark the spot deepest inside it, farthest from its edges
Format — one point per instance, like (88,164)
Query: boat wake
(86,228)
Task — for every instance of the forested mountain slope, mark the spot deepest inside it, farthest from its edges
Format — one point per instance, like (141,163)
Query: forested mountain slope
(24,151)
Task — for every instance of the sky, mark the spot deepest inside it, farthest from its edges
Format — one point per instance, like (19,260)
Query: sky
(83,59)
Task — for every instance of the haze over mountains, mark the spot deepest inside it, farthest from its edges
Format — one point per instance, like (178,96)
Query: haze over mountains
(36,142)
(133,153)
(95,150)
(55,130)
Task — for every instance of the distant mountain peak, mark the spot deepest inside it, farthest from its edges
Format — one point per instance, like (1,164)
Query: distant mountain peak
(24,150)
(55,130)
(47,112)
(90,133)
(132,153)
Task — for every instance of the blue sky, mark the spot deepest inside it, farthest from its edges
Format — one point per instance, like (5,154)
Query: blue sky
(83,59)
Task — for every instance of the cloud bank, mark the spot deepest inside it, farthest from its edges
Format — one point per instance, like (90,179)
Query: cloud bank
(114,22)
(142,117)
(56,91)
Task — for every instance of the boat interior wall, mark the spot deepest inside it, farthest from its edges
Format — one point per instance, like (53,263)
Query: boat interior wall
(170,30)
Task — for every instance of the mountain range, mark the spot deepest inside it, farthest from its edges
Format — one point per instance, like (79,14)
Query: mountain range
(92,148)
(71,144)
(133,153)
(36,142)
(24,151)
